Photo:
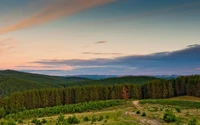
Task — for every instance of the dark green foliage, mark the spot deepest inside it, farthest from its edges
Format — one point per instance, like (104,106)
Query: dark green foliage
(72,108)
(143,114)
(116,88)
(100,118)
(13,81)
(2,112)
(73,120)
(118,80)
(94,119)
(86,119)
(138,112)
(169,117)
(178,109)
(61,118)
(8,122)
(36,121)
(20,121)
(193,121)
(44,121)
(179,120)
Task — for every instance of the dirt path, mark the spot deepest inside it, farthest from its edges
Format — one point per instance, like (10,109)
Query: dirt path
(136,104)
(145,121)
(149,122)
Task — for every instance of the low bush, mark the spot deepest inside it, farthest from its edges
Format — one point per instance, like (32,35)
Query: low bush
(86,119)
(138,112)
(100,118)
(178,109)
(169,117)
(144,114)
(73,120)
(193,121)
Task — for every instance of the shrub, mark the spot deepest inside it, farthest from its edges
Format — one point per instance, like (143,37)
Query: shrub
(179,121)
(2,122)
(61,118)
(11,122)
(169,117)
(144,114)
(100,118)
(37,122)
(193,121)
(44,121)
(86,119)
(94,119)
(73,120)
(178,109)
(20,121)
(2,112)
(138,112)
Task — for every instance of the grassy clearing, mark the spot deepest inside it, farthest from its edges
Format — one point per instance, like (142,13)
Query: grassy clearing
(190,98)
(131,113)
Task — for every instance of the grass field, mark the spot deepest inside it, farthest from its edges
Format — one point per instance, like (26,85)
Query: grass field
(127,114)
(192,98)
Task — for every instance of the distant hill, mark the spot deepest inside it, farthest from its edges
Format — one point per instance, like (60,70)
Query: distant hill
(97,77)
(167,77)
(12,81)
(117,80)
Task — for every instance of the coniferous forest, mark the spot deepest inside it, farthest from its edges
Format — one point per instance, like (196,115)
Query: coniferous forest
(149,89)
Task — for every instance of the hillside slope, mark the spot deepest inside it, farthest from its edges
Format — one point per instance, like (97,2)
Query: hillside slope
(117,80)
(13,81)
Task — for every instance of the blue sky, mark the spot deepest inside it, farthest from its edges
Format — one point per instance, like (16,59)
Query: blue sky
(33,32)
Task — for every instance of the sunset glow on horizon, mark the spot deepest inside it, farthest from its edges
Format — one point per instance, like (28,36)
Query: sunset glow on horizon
(111,37)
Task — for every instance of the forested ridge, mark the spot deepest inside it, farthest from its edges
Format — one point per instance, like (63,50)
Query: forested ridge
(140,87)
(14,81)
(155,89)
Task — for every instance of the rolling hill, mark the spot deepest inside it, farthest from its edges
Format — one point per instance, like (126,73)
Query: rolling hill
(13,81)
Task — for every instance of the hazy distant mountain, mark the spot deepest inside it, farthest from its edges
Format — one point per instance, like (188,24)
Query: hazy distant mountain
(13,81)
(167,76)
(97,77)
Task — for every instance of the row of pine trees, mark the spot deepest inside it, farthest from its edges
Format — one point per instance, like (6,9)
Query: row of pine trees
(31,99)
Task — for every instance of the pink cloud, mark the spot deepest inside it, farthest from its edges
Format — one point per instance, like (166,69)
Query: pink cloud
(53,11)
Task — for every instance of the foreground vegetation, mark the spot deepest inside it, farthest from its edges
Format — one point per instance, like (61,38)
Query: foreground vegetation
(183,103)
(114,112)
(73,108)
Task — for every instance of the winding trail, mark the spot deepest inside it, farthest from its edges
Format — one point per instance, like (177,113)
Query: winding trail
(136,104)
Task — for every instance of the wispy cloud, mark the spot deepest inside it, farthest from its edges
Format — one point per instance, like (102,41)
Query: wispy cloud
(95,43)
(53,11)
(101,42)
(183,61)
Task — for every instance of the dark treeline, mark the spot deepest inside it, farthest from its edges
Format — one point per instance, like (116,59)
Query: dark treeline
(31,99)
(14,81)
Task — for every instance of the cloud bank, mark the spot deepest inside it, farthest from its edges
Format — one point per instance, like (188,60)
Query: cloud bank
(53,11)
(184,61)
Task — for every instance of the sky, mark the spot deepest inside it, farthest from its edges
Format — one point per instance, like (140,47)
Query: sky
(104,37)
